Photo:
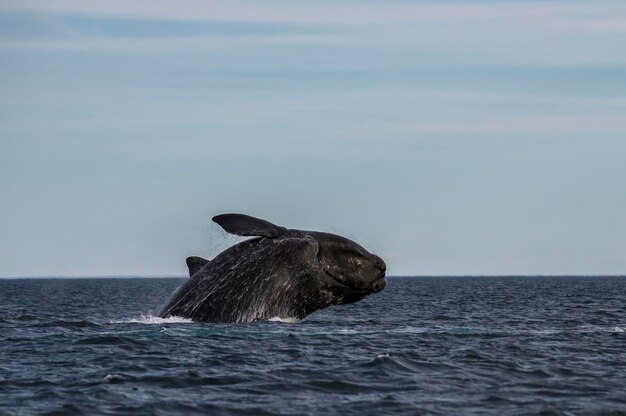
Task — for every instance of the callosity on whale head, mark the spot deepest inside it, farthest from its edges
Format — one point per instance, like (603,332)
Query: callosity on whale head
(283,273)
(351,271)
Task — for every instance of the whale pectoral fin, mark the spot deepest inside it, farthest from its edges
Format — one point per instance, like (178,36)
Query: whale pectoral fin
(195,263)
(246,225)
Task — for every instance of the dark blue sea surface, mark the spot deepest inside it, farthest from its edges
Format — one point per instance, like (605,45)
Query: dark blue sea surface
(462,345)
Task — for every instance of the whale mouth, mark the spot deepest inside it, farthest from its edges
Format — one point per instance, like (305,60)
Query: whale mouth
(376,286)
(338,279)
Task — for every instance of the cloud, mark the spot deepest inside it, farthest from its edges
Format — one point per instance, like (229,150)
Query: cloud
(160,44)
(583,123)
(588,16)
(518,33)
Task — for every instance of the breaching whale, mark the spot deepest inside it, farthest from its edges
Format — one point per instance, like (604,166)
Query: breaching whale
(281,273)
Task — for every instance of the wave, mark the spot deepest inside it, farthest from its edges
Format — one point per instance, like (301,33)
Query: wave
(151,319)
(503,331)
(67,324)
(288,320)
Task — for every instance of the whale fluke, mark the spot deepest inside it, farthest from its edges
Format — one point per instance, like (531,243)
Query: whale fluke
(195,263)
(248,226)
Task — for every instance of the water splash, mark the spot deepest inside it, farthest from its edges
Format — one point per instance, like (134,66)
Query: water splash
(113,378)
(288,320)
(151,319)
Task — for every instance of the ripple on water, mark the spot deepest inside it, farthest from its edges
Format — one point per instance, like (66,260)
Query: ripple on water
(435,346)
(153,320)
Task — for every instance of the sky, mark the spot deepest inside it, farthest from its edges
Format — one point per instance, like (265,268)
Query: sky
(449,137)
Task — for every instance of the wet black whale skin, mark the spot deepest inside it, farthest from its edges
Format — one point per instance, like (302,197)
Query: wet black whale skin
(283,273)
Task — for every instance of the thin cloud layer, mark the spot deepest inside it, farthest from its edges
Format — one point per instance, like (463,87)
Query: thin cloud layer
(451,137)
(515,33)
(588,15)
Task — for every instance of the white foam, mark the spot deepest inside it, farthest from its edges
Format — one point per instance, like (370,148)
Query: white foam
(411,330)
(113,377)
(288,320)
(346,331)
(150,319)
(619,329)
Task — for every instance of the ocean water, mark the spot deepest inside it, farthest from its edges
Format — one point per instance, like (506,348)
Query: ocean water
(442,346)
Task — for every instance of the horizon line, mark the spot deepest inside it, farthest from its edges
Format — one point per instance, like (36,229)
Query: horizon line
(132,276)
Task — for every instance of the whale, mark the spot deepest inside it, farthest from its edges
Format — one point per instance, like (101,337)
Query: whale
(278,274)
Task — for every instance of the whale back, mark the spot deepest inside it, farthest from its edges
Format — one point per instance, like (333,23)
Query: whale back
(257,279)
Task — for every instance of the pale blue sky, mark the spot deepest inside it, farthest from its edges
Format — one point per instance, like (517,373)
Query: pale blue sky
(456,137)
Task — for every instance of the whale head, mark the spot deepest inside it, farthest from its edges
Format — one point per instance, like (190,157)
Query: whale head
(341,266)
(350,270)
